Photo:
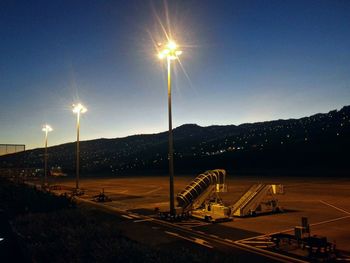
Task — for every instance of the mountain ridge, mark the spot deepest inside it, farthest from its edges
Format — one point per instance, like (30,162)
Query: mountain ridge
(247,145)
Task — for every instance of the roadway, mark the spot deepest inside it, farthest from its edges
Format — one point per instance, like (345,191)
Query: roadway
(190,235)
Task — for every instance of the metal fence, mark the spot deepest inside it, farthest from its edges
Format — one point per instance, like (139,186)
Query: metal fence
(11,148)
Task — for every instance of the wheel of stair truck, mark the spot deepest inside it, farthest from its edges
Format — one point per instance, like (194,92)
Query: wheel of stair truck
(208,219)
(252,213)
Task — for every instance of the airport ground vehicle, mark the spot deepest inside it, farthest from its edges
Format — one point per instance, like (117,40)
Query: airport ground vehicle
(259,199)
(302,243)
(201,198)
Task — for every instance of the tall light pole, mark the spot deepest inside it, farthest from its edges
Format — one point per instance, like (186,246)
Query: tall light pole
(78,109)
(170,52)
(46,128)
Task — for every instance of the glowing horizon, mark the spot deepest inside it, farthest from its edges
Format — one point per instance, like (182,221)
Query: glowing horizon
(290,61)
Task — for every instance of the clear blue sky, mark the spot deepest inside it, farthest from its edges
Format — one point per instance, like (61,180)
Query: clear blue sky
(245,61)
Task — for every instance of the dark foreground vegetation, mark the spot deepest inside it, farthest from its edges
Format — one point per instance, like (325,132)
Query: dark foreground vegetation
(53,229)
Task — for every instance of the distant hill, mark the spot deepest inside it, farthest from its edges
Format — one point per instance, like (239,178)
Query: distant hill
(319,142)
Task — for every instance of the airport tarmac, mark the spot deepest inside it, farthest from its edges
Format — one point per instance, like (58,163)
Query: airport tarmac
(325,202)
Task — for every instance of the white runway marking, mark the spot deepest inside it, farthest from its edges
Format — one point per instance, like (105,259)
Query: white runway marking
(172,233)
(1,239)
(202,242)
(263,236)
(154,190)
(134,215)
(128,217)
(198,241)
(330,221)
(343,259)
(257,242)
(337,208)
(143,220)
(191,223)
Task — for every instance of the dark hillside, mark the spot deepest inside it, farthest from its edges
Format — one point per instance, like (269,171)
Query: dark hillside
(321,142)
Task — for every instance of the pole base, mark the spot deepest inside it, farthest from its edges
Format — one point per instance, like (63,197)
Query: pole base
(78,192)
(173,217)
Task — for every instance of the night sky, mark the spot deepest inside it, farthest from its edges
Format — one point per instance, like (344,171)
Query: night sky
(243,61)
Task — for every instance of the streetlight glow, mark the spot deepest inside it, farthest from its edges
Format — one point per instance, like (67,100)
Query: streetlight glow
(47,128)
(172,45)
(170,51)
(79,108)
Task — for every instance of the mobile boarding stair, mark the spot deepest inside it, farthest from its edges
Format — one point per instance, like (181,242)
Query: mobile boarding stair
(201,197)
(260,198)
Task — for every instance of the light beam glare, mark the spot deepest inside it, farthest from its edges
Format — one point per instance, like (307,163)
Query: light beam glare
(167,18)
(161,25)
(187,76)
(170,44)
